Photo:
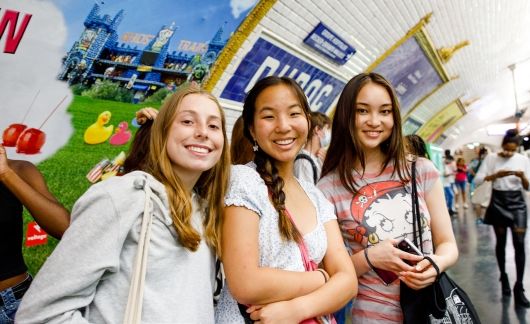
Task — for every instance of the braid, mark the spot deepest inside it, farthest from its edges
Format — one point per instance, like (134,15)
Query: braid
(269,173)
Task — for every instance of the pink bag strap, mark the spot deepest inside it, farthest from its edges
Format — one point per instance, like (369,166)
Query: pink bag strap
(309,264)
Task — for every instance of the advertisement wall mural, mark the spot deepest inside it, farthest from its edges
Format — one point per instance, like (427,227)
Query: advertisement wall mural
(75,72)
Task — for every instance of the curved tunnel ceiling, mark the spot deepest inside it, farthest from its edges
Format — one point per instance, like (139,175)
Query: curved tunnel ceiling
(450,58)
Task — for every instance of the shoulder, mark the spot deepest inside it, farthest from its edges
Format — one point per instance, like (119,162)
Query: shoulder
(128,189)
(245,173)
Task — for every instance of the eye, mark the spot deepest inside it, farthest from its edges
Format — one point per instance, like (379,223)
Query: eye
(386,111)
(187,122)
(214,126)
(296,114)
(362,110)
(268,117)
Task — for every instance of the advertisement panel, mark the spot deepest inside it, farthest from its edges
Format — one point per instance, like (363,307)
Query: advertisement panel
(75,72)
(268,58)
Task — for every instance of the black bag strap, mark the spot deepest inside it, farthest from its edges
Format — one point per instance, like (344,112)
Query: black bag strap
(417,231)
(313,164)
(417,221)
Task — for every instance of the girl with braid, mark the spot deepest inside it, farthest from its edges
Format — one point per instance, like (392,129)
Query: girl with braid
(269,212)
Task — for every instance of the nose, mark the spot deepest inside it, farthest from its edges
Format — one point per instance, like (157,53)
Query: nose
(374,119)
(282,124)
(201,130)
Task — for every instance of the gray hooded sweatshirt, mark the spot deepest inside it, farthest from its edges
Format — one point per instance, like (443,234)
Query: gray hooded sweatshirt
(87,277)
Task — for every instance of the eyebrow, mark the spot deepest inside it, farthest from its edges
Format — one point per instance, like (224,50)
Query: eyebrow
(193,112)
(368,105)
(296,105)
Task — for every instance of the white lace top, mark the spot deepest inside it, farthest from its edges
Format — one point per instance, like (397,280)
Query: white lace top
(248,190)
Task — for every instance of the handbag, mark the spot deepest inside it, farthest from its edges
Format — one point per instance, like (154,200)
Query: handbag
(443,301)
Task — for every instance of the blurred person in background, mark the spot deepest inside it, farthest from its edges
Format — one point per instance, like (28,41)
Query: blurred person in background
(509,172)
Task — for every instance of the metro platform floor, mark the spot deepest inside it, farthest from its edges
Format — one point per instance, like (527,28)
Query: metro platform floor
(477,273)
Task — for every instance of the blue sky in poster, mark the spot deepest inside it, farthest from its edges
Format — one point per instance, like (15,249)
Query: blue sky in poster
(197,21)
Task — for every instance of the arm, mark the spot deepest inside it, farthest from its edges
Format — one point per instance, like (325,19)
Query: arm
(338,290)
(28,185)
(248,282)
(68,279)
(446,251)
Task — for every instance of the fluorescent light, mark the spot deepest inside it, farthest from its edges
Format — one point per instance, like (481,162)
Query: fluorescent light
(500,129)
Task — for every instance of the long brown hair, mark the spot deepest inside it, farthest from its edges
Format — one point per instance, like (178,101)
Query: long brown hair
(211,185)
(240,147)
(265,164)
(345,148)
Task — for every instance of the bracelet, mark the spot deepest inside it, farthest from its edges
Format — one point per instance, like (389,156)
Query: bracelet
(324,274)
(368,260)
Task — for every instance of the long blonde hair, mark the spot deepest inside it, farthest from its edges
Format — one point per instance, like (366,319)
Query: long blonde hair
(211,185)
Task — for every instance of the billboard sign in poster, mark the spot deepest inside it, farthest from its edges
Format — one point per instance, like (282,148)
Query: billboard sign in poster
(75,72)
(435,127)
(269,58)
(411,73)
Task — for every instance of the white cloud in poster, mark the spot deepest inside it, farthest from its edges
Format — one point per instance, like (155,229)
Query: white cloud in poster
(240,6)
(33,69)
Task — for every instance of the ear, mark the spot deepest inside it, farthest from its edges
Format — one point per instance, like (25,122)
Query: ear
(251,129)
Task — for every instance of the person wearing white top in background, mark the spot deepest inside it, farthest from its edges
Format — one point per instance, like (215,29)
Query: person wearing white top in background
(509,172)
(308,163)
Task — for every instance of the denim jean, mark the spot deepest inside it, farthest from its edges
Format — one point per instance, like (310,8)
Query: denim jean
(10,302)
(449,196)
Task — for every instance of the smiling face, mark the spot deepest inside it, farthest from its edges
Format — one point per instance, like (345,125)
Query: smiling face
(280,125)
(373,117)
(195,141)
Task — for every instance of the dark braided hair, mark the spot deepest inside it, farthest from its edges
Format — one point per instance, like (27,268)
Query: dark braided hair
(265,164)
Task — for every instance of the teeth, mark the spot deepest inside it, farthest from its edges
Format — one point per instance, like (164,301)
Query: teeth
(285,142)
(198,149)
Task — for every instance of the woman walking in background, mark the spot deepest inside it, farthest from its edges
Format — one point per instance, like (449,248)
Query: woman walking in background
(509,172)
(461,180)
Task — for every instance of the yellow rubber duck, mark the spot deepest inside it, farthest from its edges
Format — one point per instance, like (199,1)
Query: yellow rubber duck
(97,132)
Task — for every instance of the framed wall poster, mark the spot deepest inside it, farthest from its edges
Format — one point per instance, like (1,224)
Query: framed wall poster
(413,67)
(445,118)
(410,126)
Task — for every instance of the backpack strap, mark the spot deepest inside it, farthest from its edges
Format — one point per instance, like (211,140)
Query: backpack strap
(313,164)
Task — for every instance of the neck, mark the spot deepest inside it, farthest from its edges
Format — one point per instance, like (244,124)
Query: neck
(313,145)
(188,180)
(373,161)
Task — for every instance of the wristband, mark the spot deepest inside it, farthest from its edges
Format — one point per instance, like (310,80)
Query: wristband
(324,274)
(368,260)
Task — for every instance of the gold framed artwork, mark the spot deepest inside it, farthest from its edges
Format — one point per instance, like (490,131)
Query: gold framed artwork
(445,118)
(413,66)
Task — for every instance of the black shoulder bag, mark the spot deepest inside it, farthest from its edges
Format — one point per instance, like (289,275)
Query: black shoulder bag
(313,165)
(443,301)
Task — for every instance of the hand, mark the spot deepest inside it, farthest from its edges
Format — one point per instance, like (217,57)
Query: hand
(386,256)
(146,113)
(4,166)
(504,173)
(279,312)
(421,276)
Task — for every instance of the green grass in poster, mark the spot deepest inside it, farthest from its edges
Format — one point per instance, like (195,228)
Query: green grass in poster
(66,170)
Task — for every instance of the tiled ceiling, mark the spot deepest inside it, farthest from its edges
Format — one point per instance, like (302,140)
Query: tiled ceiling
(499,35)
